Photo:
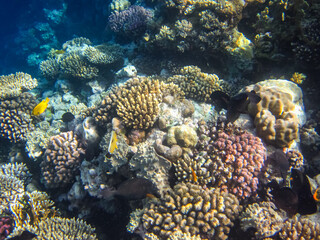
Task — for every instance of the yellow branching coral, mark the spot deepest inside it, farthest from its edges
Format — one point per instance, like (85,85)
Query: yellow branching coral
(298,78)
(32,208)
(14,84)
(59,228)
(73,65)
(198,85)
(11,189)
(193,210)
(138,107)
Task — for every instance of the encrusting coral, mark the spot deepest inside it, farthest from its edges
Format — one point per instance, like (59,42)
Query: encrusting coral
(263,217)
(191,209)
(14,84)
(198,85)
(278,115)
(62,160)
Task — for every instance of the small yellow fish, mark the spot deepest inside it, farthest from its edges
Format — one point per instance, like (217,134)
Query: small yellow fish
(112,144)
(194,175)
(41,107)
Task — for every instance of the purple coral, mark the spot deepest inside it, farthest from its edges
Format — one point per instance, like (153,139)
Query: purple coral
(6,227)
(238,158)
(132,20)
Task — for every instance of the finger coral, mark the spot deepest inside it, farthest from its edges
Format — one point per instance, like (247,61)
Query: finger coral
(193,210)
(62,160)
(296,228)
(198,85)
(14,84)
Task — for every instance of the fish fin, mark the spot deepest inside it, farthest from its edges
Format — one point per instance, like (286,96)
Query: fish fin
(47,100)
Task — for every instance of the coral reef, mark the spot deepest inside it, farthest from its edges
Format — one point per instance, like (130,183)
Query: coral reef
(296,228)
(136,102)
(263,217)
(198,85)
(192,210)
(59,228)
(183,135)
(62,160)
(14,84)
(80,60)
(32,208)
(279,114)
(15,119)
(119,5)
(130,22)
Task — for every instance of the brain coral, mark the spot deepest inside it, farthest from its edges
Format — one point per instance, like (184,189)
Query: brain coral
(62,160)
(278,115)
(198,85)
(193,210)
(14,84)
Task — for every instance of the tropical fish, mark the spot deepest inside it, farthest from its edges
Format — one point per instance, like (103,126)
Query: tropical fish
(41,107)
(194,175)
(112,144)
(234,105)
(132,189)
(67,117)
(25,235)
(298,198)
(316,195)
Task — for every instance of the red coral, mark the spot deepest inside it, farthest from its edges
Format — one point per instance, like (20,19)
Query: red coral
(6,227)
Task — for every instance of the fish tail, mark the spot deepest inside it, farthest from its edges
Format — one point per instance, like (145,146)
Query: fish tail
(107,193)
(47,100)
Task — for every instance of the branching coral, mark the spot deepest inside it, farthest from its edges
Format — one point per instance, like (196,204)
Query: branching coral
(14,84)
(62,160)
(136,102)
(263,218)
(198,85)
(192,210)
(59,228)
(32,208)
(300,229)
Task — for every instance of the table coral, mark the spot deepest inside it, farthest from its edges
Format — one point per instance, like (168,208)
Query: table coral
(279,113)
(198,85)
(62,160)
(14,84)
(263,217)
(192,210)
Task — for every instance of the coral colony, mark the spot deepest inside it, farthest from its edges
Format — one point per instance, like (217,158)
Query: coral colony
(178,123)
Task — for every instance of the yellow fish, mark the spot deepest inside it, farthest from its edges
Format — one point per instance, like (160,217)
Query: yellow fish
(112,144)
(194,175)
(41,107)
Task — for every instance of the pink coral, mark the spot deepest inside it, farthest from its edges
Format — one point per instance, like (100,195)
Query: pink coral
(237,158)
(6,226)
